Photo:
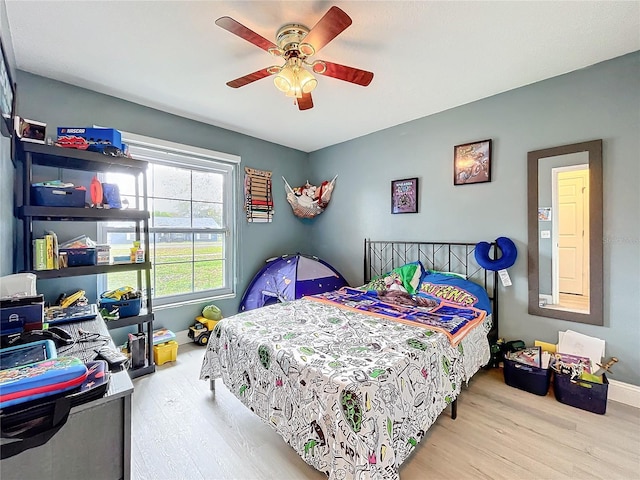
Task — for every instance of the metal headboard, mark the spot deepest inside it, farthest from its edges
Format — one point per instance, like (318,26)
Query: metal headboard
(381,257)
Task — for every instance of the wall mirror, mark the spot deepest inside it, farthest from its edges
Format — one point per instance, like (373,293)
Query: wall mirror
(565,232)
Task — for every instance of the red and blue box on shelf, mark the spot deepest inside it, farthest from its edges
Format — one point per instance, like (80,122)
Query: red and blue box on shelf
(108,136)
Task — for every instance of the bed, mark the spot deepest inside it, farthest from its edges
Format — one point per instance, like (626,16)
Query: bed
(354,391)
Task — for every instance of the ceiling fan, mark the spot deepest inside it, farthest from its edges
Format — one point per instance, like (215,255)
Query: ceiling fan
(295,44)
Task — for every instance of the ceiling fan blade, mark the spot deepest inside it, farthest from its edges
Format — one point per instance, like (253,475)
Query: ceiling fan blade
(250,78)
(306,102)
(342,72)
(334,22)
(240,30)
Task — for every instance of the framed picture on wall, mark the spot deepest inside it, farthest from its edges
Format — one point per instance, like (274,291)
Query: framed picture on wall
(404,196)
(6,95)
(472,162)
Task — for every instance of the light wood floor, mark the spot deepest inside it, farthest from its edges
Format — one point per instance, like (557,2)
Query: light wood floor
(574,303)
(180,431)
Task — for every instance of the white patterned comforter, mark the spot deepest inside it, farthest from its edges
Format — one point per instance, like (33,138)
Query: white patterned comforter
(352,394)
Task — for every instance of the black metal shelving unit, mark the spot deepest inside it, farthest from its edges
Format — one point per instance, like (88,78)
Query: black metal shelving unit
(30,154)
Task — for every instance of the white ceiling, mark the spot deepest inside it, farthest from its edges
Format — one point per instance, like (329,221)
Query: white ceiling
(427,56)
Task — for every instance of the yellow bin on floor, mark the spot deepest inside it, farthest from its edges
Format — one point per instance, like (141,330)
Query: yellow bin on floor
(165,352)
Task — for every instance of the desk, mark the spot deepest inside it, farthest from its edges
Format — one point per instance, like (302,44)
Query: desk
(95,443)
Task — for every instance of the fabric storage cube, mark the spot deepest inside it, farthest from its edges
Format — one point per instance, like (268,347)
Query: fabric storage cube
(525,377)
(77,257)
(582,394)
(165,352)
(127,308)
(57,197)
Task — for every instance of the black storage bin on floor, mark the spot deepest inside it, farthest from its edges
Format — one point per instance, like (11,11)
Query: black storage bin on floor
(531,379)
(581,393)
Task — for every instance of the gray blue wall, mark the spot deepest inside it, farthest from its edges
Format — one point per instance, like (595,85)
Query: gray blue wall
(6,207)
(6,171)
(602,101)
(60,104)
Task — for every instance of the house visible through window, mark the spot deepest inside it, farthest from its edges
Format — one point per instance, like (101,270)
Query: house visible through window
(192,227)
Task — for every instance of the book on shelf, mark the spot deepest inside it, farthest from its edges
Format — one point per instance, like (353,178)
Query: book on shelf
(39,254)
(48,239)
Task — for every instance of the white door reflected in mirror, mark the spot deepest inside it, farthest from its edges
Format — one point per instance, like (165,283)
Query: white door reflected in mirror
(564,240)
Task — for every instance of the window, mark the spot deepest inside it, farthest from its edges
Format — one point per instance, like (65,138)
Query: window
(190,194)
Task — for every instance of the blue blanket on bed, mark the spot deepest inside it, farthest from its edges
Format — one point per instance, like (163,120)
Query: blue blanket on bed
(453,320)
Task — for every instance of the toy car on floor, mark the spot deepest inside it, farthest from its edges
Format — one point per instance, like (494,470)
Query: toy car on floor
(201,330)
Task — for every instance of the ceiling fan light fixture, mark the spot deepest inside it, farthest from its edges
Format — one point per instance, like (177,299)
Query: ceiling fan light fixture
(306,80)
(294,80)
(294,93)
(286,79)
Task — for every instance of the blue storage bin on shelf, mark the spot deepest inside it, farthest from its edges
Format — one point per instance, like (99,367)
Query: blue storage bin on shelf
(78,257)
(57,197)
(530,379)
(126,308)
(581,394)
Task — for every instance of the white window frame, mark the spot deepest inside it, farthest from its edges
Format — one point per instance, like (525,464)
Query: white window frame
(168,153)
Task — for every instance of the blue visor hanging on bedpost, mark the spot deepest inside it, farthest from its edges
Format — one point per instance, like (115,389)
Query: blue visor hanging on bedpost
(506,260)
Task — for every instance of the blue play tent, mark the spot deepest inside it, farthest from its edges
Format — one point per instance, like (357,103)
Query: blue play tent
(290,277)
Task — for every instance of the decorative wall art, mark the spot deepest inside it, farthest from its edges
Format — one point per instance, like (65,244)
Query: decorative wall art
(7,92)
(404,196)
(472,162)
(258,197)
(309,200)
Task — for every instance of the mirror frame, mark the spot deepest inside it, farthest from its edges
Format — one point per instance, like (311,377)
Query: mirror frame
(596,297)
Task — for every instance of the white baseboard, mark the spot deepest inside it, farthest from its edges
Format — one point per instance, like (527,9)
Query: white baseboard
(624,393)
(544,299)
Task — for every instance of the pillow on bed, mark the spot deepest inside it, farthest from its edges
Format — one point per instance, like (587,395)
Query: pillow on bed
(455,290)
(451,274)
(405,278)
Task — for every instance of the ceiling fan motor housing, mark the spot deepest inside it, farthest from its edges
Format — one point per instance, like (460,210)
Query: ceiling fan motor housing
(289,40)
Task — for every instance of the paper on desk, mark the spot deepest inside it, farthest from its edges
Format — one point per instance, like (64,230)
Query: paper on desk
(575,343)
